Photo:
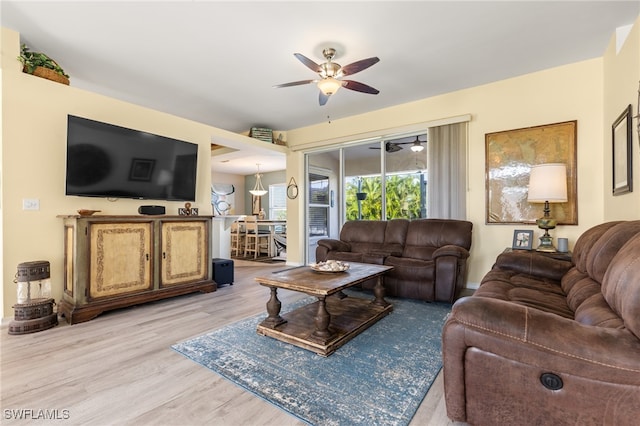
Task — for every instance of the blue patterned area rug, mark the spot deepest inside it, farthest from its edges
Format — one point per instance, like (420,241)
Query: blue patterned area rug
(378,378)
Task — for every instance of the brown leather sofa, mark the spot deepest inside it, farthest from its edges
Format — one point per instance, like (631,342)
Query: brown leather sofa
(549,342)
(429,256)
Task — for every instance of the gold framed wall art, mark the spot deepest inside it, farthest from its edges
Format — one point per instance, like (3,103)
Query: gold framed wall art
(509,157)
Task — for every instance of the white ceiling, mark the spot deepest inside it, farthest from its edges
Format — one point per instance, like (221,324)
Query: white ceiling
(216,62)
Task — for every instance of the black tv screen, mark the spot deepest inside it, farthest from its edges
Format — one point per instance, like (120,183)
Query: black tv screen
(104,160)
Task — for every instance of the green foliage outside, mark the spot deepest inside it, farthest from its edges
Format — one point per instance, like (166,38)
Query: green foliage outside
(403,197)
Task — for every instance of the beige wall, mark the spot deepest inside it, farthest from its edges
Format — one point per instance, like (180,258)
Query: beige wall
(572,92)
(34,117)
(34,113)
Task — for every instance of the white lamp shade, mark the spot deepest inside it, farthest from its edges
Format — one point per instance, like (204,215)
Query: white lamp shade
(548,182)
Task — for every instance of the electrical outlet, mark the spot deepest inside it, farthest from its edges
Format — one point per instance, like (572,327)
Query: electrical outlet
(30,204)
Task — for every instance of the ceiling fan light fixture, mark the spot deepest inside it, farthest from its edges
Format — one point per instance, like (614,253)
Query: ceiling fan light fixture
(258,190)
(329,85)
(417,146)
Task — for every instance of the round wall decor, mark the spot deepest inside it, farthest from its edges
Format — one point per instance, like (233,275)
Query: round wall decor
(292,189)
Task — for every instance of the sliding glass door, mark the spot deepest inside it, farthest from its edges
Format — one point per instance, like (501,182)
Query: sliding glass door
(362,182)
(348,183)
(406,178)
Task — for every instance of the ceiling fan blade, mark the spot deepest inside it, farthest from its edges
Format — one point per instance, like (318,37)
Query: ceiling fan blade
(359,66)
(359,87)
(308,62)
(296,83)
(323,98)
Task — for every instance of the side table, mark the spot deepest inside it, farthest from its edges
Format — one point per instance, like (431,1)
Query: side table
(557,255)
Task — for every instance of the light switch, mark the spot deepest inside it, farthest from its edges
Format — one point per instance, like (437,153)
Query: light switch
(30,204)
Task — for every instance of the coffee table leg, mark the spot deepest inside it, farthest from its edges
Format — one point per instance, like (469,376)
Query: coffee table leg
(378,292)
(322,320)
(273,309)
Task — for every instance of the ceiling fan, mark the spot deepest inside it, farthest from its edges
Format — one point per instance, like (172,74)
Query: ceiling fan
(390,146)
(331,73)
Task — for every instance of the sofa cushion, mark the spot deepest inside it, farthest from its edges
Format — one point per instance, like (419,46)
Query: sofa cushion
(424,236)
(586,242)
(406,268)
(621,285)
(346,256)
(363,232)
(586,286)
(607,246)
(394,236)
(526,290)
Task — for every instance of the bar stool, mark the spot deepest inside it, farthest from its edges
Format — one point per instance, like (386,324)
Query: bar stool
(238,234)
(253,238)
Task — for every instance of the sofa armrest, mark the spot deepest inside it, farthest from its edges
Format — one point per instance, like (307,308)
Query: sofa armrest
(525,342)
(533,263)
(555,343)
(334,245)
(451,250)
(450,272)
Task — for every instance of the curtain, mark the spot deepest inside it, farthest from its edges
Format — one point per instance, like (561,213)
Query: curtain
(447,171)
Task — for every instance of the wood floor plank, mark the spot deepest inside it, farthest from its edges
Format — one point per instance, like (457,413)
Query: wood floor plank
(119,369)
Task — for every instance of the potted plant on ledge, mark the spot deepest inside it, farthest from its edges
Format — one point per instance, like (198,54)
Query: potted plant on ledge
(41,65)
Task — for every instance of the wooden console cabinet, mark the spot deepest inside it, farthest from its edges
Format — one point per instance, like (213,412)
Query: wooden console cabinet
(112,262)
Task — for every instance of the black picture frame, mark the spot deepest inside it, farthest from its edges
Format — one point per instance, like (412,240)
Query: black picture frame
(141,169)
(522,239)
(255,202)
(622,159)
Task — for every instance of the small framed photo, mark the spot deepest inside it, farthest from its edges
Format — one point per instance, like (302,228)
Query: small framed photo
(522,240)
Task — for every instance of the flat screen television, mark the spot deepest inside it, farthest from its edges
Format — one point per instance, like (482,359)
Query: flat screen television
(105,160)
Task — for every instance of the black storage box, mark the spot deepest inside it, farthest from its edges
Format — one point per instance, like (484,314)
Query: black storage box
(222,271)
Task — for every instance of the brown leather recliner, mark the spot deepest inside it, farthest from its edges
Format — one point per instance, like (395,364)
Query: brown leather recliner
(429,256)
(544,341)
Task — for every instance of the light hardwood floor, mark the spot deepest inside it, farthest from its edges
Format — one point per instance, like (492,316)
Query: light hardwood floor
(119,369)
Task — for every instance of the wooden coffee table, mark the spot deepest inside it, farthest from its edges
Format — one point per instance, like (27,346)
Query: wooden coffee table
(334,319)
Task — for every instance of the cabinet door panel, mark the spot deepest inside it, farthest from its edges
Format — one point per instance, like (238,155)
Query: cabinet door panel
(184,252)
(120,260)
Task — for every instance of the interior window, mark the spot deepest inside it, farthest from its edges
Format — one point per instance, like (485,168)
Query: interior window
(278,201)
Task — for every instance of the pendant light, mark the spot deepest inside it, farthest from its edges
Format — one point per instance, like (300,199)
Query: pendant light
(258,190)
(417,146)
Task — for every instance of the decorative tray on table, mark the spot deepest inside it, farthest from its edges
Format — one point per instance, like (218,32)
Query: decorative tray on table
(86,212)
(330,266)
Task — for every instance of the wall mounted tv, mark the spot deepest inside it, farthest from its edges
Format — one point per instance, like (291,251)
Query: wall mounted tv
(104,160)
